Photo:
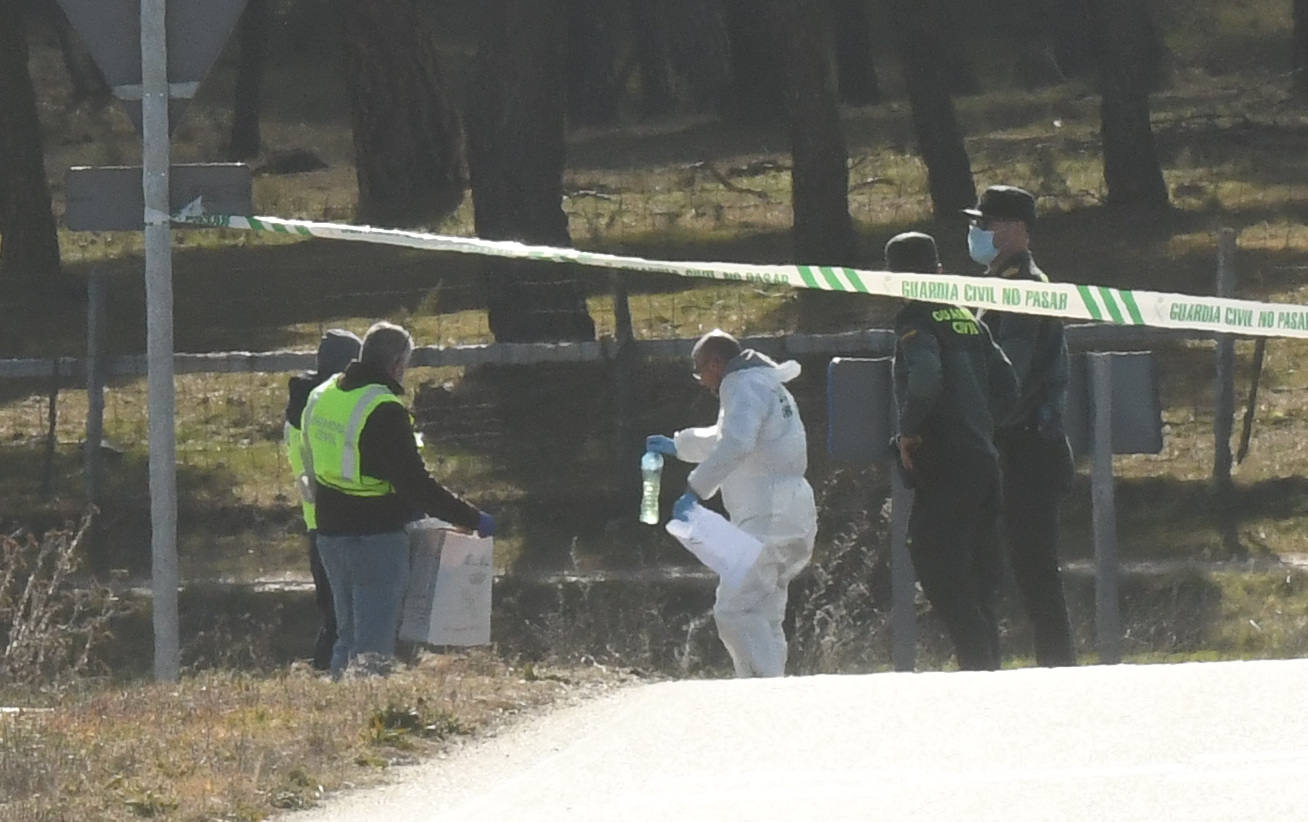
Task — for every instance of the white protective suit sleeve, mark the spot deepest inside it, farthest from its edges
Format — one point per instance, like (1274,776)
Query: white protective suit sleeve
(744,403)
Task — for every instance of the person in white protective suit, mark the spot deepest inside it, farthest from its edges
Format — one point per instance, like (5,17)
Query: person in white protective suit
(756,454)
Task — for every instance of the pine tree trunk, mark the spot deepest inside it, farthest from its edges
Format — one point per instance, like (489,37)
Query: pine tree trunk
(757,82)
(252,35)
(823,233)
(593,90)
(408,136)
(1300,49)
(29,242)
(650,31)
(1124,36)
(517,154)
(1068,22)
(854,66)
(87,81)
(949,170)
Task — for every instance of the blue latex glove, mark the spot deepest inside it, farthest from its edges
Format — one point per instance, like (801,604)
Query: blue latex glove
(485,525)
(685,502)
(660,444)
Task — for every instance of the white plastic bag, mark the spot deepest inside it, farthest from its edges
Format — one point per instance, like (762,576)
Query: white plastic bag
(448,600)
(723,547)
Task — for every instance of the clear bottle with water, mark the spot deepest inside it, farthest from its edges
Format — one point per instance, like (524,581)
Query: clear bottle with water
(651,470)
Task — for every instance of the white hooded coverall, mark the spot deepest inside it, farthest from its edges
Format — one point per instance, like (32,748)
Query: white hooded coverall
(757,454)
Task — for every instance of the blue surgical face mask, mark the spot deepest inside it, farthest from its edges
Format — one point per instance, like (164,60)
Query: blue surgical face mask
(981,245)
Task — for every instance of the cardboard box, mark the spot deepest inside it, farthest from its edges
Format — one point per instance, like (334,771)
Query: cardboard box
(448,600)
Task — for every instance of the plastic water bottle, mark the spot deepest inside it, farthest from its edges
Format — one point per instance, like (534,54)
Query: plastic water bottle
(651,469)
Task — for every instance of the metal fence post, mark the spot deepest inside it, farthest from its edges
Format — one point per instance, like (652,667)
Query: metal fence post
(1108,619)
(1224,405)
(903,579)
(159,339)
(95,379)
(52,430)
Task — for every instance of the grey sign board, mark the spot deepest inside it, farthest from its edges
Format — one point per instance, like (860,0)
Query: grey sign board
(859,399)
(197,30)
(1137,416)
(860,412)
(110,198)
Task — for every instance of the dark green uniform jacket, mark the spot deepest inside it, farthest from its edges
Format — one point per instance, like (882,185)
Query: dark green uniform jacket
(1037,349)
(951,381)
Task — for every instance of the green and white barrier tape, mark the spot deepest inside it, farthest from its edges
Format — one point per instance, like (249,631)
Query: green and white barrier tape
(1066,300)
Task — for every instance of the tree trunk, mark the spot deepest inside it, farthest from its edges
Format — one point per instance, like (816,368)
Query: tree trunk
(757,82)
(29,242)
(253,37)
(951,47)
(854,66)
(650,32)
(593,86)
(1124,36)
(1300,49)
(1068,21)
(408,137)
(87,81)
(1035,52)
(517,154)
(823,233)
(949,170)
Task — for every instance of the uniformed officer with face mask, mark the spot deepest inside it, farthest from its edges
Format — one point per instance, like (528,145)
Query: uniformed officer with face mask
(951,384)
(1034,453)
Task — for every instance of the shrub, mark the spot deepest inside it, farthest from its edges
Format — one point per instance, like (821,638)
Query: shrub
(49,623)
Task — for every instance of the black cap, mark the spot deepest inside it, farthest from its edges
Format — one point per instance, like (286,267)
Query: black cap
(912,251)
(336,349)
(1005,203)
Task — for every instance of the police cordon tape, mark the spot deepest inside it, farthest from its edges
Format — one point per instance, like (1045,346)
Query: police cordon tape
(1066,300)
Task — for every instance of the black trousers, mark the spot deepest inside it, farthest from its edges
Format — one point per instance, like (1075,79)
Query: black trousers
(954,543)
(322,594)
(1037,473)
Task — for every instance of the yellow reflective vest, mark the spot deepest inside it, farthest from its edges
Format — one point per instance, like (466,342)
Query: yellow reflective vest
(330,427)
(294,441)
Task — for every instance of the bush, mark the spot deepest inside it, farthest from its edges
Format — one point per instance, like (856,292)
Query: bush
(49,623)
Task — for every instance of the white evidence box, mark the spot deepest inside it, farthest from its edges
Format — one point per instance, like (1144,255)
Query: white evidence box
(448,599)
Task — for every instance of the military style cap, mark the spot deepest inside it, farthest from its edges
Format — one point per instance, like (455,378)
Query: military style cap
(1005,203)
(912,251)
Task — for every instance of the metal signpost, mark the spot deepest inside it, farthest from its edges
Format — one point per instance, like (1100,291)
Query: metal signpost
(131,46)
(861,419)
(1112,408)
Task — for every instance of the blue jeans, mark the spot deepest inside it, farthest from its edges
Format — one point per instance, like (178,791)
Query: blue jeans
(368,575)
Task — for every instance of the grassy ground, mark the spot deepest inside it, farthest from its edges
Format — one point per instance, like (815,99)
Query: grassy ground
(235,746)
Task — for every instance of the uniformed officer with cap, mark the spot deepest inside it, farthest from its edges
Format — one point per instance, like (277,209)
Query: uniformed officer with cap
(1034,452)
(951,384)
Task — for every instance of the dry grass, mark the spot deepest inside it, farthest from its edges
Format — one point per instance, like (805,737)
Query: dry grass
(237,747)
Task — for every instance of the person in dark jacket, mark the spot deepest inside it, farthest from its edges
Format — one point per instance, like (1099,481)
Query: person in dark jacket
(1034,452)
(369,481)
(335,351)
(951,384)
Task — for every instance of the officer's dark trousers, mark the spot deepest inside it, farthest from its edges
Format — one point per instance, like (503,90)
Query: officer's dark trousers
(322,595)
(1037,472)
(954,543)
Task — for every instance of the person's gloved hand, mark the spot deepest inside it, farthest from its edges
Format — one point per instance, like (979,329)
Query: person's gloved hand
(485,525)
(1048,425)
(685,502)
(660,444)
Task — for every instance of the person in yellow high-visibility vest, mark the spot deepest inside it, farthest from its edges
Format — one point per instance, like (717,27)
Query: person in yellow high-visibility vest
(335,351)
(369,481)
